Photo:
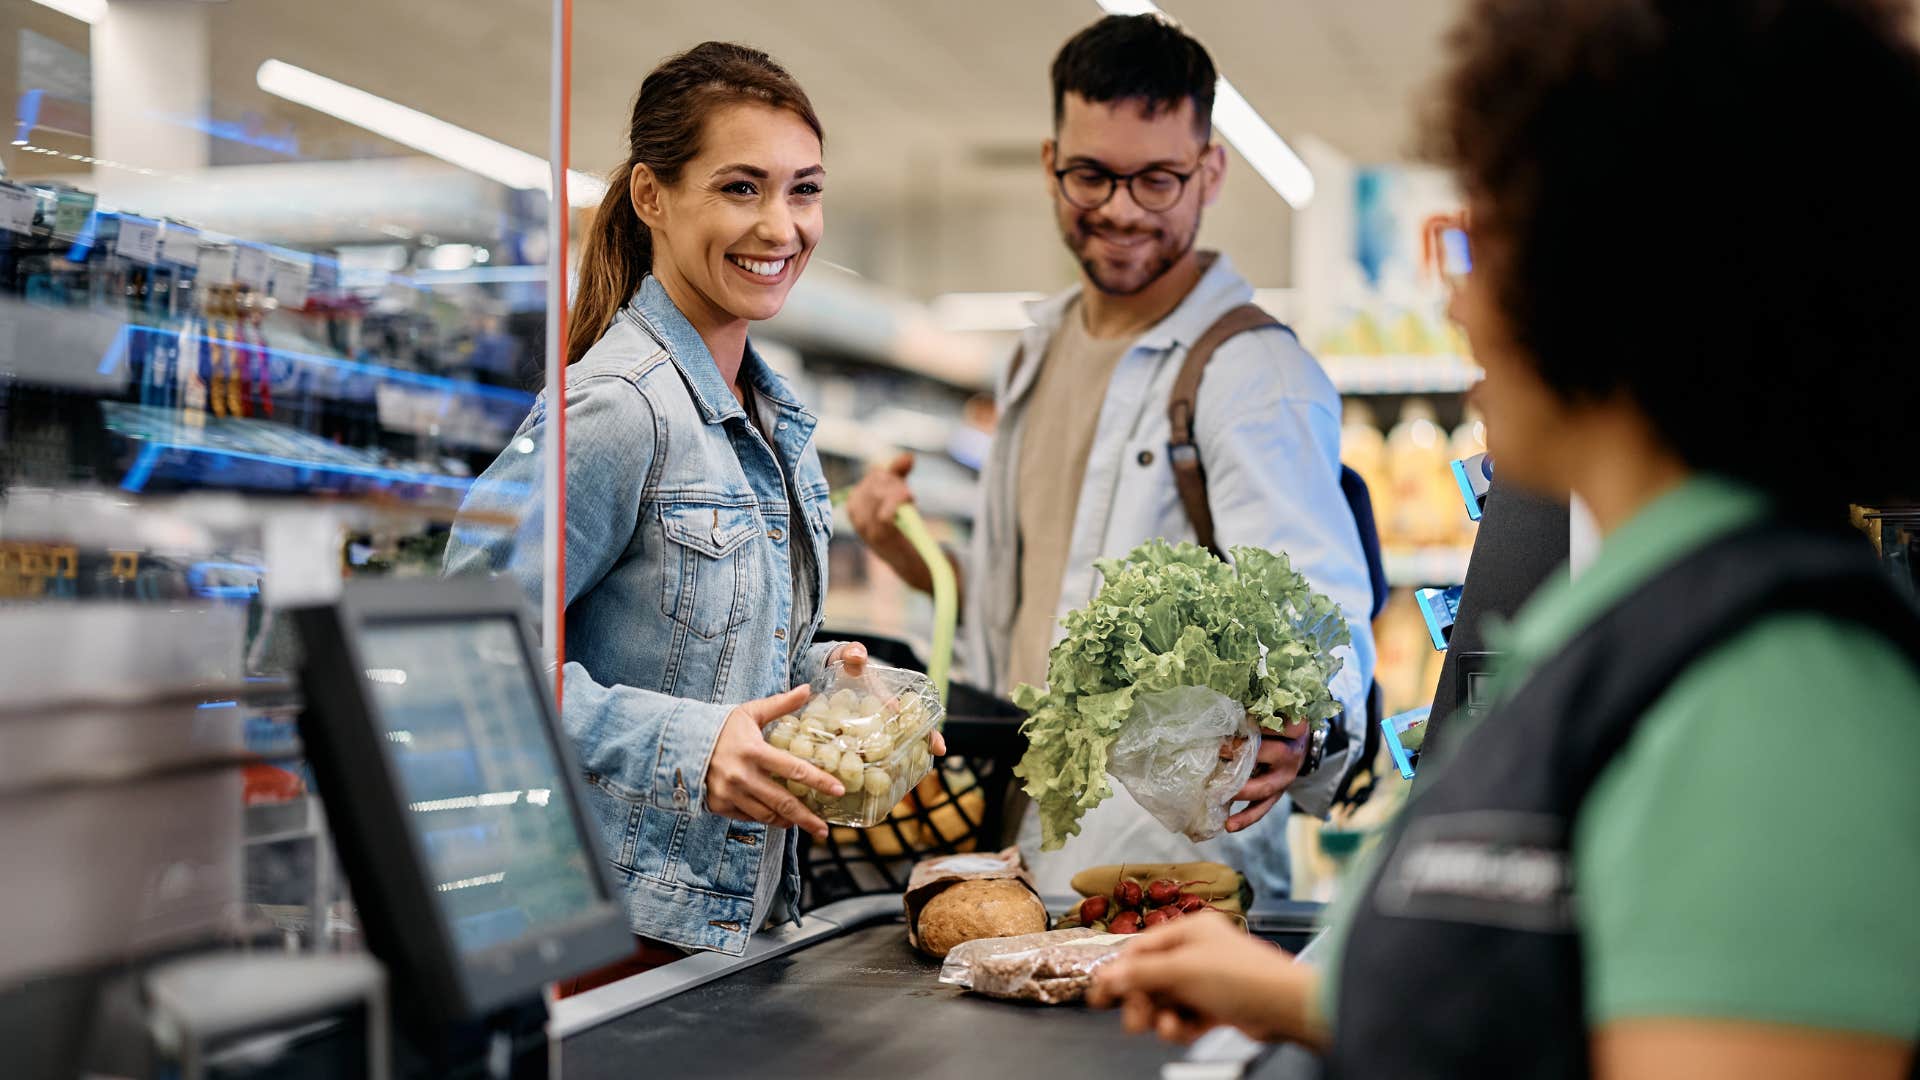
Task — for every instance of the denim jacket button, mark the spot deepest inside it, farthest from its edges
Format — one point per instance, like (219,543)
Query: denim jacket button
(680,798)
(775,535)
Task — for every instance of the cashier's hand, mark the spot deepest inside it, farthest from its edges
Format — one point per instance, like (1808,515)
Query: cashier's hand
(1276,766)
(1192,974)
(740,782)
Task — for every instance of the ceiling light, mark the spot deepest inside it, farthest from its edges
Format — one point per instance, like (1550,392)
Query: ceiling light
(455,145)
(87,11)
(1243,126)
(983,311)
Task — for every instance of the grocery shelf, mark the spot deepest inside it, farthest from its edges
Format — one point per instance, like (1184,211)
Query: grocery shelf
(1426,565)
(1404,374)
(281,456)
(116,357)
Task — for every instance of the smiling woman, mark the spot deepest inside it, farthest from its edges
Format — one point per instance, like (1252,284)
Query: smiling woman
(743,136)
(697,512)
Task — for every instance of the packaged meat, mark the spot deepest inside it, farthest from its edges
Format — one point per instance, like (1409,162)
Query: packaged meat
(1051,968)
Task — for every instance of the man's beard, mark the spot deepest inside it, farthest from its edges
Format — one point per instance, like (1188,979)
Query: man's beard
(1165,254)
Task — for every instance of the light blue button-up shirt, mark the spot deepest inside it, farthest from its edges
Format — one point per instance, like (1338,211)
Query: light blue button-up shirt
(1267,422)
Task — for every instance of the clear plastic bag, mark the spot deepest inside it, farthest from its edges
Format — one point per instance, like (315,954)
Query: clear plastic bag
(871,730)
(1167,756)
(1051,968)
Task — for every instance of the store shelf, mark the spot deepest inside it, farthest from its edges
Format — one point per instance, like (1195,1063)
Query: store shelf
(257,454)
(1400,374)
(275,822)
(114,361)
(1426,566)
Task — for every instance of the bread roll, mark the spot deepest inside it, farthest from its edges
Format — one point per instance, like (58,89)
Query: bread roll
(970,910)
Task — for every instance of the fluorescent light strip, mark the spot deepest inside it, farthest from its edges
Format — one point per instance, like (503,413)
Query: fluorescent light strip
(431,135)
(983,311)
(87,11)
(1243,126)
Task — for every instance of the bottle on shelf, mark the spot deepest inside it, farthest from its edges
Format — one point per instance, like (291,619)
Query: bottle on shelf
(1400,635)
(1424,509)
(1364,450)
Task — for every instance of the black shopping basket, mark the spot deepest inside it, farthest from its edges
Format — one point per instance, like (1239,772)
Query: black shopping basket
(962,805)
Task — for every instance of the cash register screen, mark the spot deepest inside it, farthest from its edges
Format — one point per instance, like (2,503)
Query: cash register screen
(483,785)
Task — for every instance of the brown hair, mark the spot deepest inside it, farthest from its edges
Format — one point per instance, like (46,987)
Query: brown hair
(664,135)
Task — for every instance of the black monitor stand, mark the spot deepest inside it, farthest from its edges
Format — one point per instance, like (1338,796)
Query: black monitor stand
(509,1044)
(1523,541)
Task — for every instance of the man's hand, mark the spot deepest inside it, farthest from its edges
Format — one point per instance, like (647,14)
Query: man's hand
(1201,971)
(1276,766)
(872,506)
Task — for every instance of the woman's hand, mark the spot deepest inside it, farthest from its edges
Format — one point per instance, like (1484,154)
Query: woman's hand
(1184,977)
(854,656)
(740,775)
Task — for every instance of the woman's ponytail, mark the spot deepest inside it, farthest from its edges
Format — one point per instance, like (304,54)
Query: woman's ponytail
(664,135)
(618,253)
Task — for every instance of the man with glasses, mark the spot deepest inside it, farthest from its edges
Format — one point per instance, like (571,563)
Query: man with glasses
(1082,467)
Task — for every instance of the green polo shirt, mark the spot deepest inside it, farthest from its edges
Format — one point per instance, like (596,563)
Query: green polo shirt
(1753,853)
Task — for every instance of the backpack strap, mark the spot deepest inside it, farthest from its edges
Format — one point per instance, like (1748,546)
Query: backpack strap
(1182,453)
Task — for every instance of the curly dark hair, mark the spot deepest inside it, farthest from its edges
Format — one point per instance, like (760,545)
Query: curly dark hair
(1143,58)
(1713,208)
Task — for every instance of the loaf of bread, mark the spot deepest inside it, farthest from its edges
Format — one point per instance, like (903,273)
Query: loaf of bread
(970,910)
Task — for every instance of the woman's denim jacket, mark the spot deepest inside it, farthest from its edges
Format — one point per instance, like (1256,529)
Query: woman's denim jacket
(680,530)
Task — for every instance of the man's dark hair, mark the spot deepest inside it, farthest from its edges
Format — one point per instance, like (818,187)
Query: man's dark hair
(1142,58)
(1707,207)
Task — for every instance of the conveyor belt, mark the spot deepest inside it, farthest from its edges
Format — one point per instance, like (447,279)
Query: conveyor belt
(844,995)
(862,1004)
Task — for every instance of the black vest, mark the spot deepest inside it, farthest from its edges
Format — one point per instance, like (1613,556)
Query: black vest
(1465,954)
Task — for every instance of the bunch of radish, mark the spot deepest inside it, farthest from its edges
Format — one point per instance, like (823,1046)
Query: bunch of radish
(1131,899)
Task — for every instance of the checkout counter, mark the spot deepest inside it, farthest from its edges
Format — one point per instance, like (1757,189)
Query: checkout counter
(450,798)
(456,809)
(843,994)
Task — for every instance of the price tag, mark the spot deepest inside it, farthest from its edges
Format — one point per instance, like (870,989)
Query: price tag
(251,268)
(216,266)
(139,239)
(303,547)
(180,245)
(16,209)
(290,280)
(70,213)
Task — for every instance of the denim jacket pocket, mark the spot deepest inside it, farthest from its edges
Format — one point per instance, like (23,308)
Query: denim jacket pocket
(703,585)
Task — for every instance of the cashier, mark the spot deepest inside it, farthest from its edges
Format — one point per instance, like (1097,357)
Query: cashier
(1683,843)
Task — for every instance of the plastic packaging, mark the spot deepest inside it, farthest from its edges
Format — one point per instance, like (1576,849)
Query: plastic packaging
(1168,757)
(1051,968)
(872,731)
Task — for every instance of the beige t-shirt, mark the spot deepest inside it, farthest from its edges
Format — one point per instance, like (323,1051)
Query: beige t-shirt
(1063,411)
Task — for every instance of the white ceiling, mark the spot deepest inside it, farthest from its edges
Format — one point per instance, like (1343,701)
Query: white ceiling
(934,110)
(891,78)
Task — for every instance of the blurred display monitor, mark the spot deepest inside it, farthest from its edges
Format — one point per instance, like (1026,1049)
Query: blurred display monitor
(454,795)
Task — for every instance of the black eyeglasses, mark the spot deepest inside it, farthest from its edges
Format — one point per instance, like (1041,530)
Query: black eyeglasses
(1090,187)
